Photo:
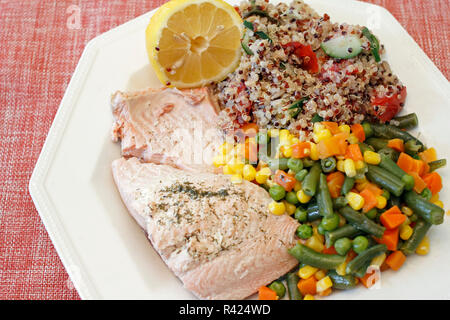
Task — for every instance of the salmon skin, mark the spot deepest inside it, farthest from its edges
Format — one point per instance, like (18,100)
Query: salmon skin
(168,126)
(216,236)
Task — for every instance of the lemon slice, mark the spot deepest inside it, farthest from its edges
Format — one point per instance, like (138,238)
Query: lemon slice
(191,43)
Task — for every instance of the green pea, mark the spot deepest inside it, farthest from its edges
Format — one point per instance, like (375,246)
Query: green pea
(343,245)
(299,176)
(291,197)
(304,231)
(386,194)
(295,164)
(279,288)
(321,230)
(360,243)
(426,194)
(277,192)
(330,223)
(301,214)
(371,214)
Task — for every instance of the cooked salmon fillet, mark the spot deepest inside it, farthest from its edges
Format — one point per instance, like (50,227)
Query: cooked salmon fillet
(216,236)
(168,126)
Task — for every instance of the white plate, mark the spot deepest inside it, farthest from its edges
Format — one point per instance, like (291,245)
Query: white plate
(103,249)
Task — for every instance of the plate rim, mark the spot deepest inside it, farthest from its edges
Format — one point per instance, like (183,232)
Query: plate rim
(62,243)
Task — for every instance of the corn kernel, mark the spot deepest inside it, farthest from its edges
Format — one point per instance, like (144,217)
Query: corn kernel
(249,172)
(448,212)
(405,232)
(262,175)
(317,127)
(315,244)
(434,197)
(314,153)
(355,201)
(287,151)
(225,148)
(340,165)
(439,203)
(322,135)
(424,246)
(361,184)
(324,284)
(325,293)
(344,128)
(319,275)
(378,260)
(297,186)
(284,137)
(316,233)
(219,160)
(352,139)
(303,197)
(306,272)
(340,270)
(273,133)
(372,157)
(407,211)
(308,297)
(340,157)
(277,208)
(359,165)
(294,140)
(381,202)
(226,169)
(237,166)
(349,168)
(236,178)
(290,208)
(270,183)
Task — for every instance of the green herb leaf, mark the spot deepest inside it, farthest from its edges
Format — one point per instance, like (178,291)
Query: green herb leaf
(316,118)
(246,49)
(263,35)
(248,25)
(298,105)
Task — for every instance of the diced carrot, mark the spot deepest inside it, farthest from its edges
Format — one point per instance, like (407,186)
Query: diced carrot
(332,126)
(301,150)
(395,260)
(374,189)
(428,155)
(419,167)
(358,131)
(396,144)
(250,129)
(265,293)
(354,153)
(370,200)
(393,210)
(336,145)
(390,239)
(405,162)
(384,266)
(284,180)
(392,220)
(330,250)
(335,181)
(370,278)
(433,181)
(307,286)
(419,184)
(251,151)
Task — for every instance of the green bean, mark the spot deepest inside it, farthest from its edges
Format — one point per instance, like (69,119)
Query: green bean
(368,132)
(362,270)
(380,131)
(434,165)
(426,194)
(280,163)
(408,121)
(339,202)
(328,164)
(377,143)
(295,164)
(395,201)
(300,176)
(307,162)
(324,201)
(311,181)
(430,212)
(292,280)
(361,222)
(390,153)
(372,213)
(389,165)
(392,132)
(315,259)
(420,230)
(366,256)
(347,185)
(279,288)
(342,282)
(313,212)
(365,147)
(385,179)
(412,147)
(343,232)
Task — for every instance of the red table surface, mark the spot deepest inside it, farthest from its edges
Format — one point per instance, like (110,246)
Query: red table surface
(38,54)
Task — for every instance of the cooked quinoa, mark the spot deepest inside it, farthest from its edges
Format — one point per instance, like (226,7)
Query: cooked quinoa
(268,82)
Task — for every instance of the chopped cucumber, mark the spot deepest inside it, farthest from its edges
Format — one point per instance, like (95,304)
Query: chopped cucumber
(342,47)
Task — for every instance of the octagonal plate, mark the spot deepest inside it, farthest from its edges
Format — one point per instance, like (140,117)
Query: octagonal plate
(105,252)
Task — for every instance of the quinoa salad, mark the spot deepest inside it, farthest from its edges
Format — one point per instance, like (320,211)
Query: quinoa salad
(286,80)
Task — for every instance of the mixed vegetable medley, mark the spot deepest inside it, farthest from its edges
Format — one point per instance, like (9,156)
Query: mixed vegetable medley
(365,196)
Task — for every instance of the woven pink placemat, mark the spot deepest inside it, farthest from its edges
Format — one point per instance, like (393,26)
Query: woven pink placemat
(38,54)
